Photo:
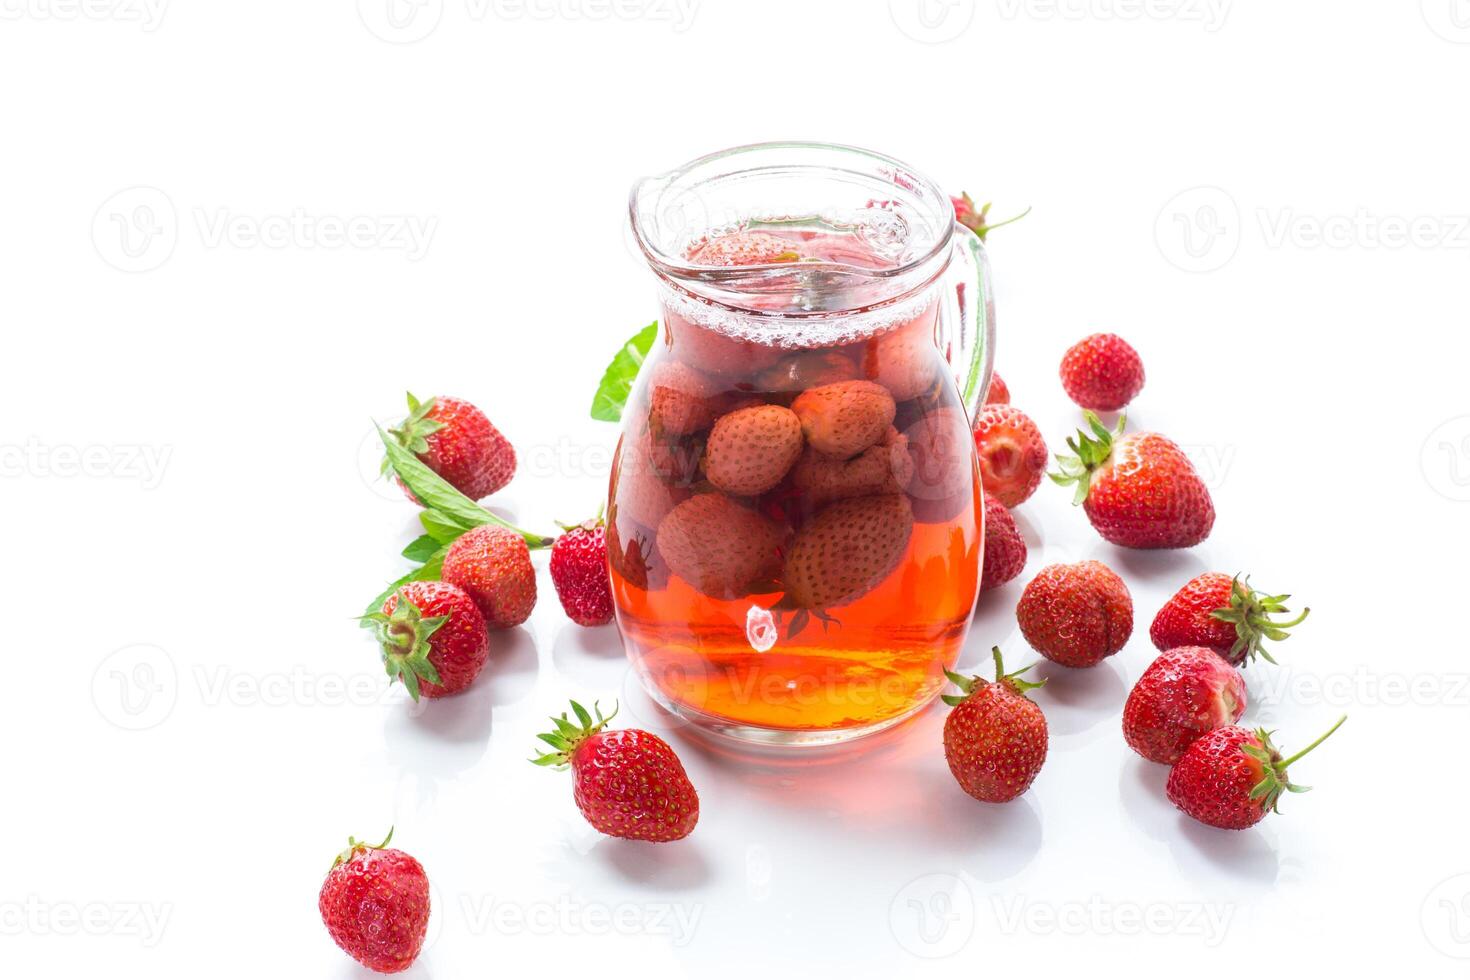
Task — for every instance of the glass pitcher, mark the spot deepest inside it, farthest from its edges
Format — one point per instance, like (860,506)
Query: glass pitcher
(795,518)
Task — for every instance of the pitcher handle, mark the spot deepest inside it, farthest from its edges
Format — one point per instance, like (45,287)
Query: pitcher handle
(967,321)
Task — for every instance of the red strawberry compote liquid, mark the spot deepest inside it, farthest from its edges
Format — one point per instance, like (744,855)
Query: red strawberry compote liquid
(830,602)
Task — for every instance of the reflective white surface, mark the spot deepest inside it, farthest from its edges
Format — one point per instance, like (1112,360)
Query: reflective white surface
(195,724)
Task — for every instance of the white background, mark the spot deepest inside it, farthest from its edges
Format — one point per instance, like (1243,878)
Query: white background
(194,723)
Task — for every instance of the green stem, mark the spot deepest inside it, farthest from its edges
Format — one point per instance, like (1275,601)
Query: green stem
(1322,738)
(1265,620)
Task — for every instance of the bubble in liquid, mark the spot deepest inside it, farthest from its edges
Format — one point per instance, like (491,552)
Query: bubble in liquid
(760,629)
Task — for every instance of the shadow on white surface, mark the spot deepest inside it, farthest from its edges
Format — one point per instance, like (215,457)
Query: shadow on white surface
(662,867)
(1078,700)
(1169,568)
(591,658)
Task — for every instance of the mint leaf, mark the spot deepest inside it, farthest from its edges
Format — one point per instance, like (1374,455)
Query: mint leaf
(429,571)
(617,380)
(435,493)
(421,548)
(441,528)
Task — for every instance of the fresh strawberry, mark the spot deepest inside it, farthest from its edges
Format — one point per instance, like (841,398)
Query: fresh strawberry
(1139,490)
(997,393)
(1184,694)
(1076,615)
(455,439)
(579,573)
(719,547)
(845,418)
(751,450)
(493,565)
(433,638)
(1224,614)
(977,218)
(1005,549)
(883,468)
(995,738)
(680,400)
(846,550)
(1102,372)
(1012,453)
(1232,777)
(745,248)
(627,783)
(943,484)
(375,904)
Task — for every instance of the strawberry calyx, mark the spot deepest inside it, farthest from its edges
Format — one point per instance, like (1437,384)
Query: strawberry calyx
(404,637)
(1274,780)
(569,735)
(969,685)
(977,218)
(591,524)
(356,847)
(1250,612)
(413,432)
(1090,452)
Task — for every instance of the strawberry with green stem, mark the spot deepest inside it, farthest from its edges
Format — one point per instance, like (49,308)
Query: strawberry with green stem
(433,638)
(995,738)
(628,783)
(1225,614)
(977,219)
(375,905)
(1139,490)
(455,439)
(1232,777)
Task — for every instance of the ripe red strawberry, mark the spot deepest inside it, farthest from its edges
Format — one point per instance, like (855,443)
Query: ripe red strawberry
(751,450)
(995,738)
(1005,549)
(627,783)
(998,393)
(845,418)
(719,547)
(493,565)
(455,439)
(433,638)
(1102,372)
(1232,777)
(375,904)
(846,550)
(1224,614)
(1139,490)
(1076,615)
(579,573)
(1184,694)
(1012,453)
